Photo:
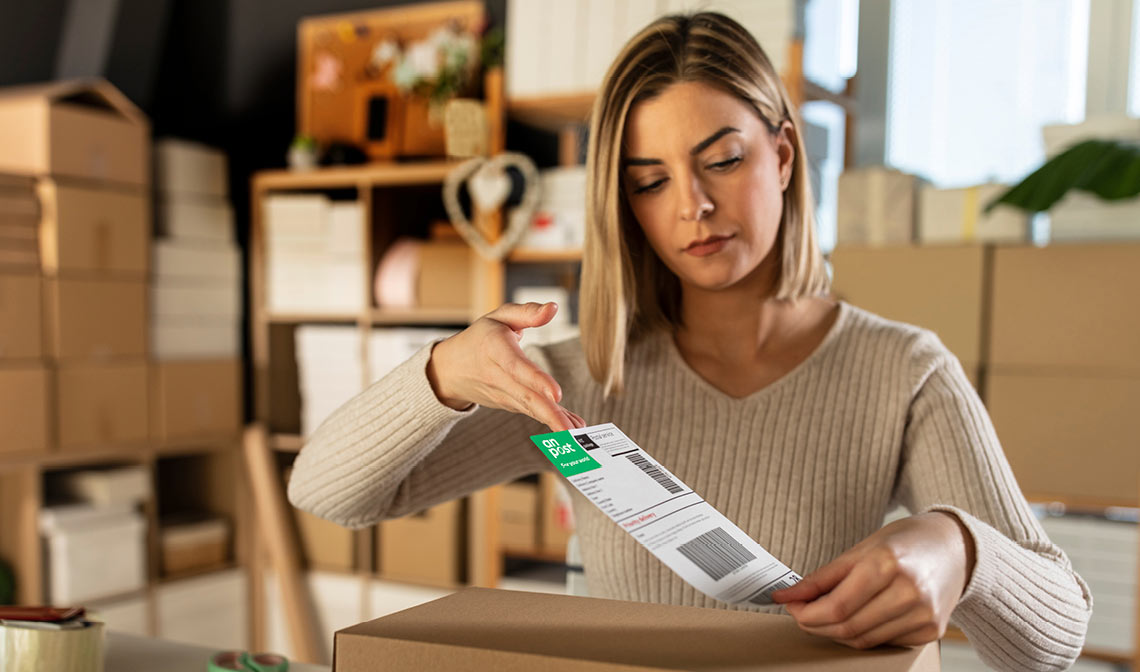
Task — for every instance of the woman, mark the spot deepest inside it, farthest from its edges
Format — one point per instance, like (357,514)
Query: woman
(708,338)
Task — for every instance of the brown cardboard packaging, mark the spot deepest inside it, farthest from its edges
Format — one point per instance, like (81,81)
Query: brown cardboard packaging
(426,547)
(95,317)
(941,288)
(1069,435)
(481,629)
(24,404)
(194,545)
(1071,306)
(556,522)
(101,405)
(79,128)
(193,399)
(324,544)
(518,516)
(445,275)
(21,334)
(99,230)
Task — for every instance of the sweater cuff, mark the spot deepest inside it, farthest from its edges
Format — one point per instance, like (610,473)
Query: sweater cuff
(414,378)
(985,577)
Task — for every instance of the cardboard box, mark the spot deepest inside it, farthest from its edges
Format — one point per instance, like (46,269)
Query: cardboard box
(195,399)
(95,317)
(24,403)
(445,275)
(483,629)
(518,517)
(324,544)
(190,338)
(197,261)
(194,545)
(940,288)
(101,405)
(556,522)
(94,230)
(79,128)
(184,167)
(1068,435)
(957,216)
(1067,306)
(21,308)
(426,547)
(877,206)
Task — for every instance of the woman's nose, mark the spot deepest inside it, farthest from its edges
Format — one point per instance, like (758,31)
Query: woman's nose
(695,203)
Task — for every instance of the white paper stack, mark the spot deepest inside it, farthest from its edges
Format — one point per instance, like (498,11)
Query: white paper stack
(314,254)
(957,216)
(1084,216)
(390,347)
(1104,553)
(196,289)
(559,220)
(557,47)
(330,366)
(92,551)
(877,206)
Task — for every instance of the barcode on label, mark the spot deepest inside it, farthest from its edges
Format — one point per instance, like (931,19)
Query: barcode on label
(716,552)
(656,474)
(765,598)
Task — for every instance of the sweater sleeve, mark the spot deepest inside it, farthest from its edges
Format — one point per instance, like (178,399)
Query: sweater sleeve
(395,449)
(1024,608)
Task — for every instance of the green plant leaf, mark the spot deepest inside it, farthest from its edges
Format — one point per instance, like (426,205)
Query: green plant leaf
(1108,168)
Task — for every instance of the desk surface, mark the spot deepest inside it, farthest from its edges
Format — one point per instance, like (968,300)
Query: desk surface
(128,653)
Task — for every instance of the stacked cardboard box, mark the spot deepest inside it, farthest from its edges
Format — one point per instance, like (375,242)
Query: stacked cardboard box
(195,297)
(425,547)
(941,288)
(958,216)
(23,377)
(88,148)
(314,254)
(1064,382)
(877,206)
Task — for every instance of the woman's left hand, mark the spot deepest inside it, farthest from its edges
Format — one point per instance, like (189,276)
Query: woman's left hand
(897,586)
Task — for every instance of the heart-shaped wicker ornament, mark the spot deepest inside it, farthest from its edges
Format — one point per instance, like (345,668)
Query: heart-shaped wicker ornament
(490,185)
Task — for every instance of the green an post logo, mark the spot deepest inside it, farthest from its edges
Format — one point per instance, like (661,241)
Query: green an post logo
(565,453)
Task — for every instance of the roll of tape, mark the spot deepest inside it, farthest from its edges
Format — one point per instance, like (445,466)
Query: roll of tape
(226,661)
(31,649)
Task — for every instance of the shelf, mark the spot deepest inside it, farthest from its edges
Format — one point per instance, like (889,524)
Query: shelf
(541,256)
(420,316)
(194,573)
(286,443)
(299,318)
(387,174)
(552,113)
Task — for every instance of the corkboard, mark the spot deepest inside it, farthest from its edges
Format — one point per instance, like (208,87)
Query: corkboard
(330,114)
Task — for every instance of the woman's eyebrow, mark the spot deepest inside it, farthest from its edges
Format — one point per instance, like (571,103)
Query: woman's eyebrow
(697,149)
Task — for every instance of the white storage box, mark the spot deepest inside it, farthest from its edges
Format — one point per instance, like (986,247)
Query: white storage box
(194,218)
(187,338)
(957,216)
(93,553)
(209,263)
(338,600)
(187,299)
(184,167)
(126,616)
(877,206)
(210,610)
(108,487)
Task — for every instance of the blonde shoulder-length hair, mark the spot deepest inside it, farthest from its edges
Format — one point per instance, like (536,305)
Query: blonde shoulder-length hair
(626,290)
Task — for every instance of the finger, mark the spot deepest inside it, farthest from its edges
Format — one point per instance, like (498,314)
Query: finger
(510,357)
(889,604)
(818,582)
(519,316)
(858,587)
(578,421)
(537,405)
(910,627)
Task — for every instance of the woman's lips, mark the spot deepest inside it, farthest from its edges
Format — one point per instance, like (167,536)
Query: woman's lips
(710,245)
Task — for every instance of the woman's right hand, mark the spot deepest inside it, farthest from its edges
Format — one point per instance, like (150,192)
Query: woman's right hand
(483,364)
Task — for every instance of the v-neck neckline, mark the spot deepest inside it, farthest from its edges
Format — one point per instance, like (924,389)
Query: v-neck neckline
(674,354)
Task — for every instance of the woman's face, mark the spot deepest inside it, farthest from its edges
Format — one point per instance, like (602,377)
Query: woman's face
(705,180)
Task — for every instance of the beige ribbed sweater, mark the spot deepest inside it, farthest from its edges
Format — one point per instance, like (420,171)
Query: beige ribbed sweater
(880,414)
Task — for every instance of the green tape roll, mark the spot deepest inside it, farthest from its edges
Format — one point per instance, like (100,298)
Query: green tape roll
(228,661)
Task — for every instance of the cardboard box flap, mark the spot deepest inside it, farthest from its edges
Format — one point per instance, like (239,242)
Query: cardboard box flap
(609,632)
(92,93)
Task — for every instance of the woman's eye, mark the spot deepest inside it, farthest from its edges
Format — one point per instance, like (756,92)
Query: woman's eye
(649,188)
(724,165)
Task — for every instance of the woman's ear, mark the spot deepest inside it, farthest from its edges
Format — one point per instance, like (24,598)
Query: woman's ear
(785,140)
